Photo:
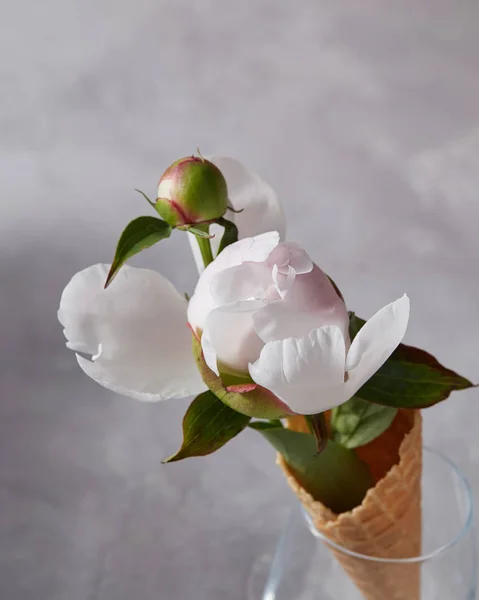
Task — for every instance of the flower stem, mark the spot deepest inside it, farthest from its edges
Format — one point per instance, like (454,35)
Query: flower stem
(205,246)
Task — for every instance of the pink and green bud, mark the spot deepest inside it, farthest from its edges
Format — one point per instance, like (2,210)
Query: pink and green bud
(192,191)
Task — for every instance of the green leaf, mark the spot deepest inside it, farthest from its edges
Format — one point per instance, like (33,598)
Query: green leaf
(337,477)
(355,324)
(357,422)
(207,425)
(410,378)
(230,235)
(141,233)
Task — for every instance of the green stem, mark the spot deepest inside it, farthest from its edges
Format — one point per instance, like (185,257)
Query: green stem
(205,246)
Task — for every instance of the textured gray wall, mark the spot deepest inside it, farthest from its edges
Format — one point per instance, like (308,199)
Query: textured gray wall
(365,118)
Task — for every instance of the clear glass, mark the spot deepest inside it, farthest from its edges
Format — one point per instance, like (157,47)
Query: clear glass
(304,568)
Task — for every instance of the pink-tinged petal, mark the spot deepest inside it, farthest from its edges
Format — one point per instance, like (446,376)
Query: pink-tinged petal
(306,373)
(135,332)
(375,342)
(229,336)
(261,209)
(290,254)
(283,282)
(299,259)
(254,250)
(313,292)
(311,302)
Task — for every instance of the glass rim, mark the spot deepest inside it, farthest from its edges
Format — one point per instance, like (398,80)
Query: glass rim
(412,559)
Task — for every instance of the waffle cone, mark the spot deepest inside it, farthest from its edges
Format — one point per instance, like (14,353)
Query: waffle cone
(388,522)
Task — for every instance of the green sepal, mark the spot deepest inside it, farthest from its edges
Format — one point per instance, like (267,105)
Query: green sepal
(234,211)
(230,235)
(257,402)
(169,212)
(138,235)
(336,288)
(410,378)
(337,477)
(319,430)
(196,231)
(357,422)
(150,202)
(207,425)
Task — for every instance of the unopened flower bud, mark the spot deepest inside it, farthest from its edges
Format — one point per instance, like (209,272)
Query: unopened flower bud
(191,191)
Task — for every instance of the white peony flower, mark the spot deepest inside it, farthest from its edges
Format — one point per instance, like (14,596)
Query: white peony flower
(267,314)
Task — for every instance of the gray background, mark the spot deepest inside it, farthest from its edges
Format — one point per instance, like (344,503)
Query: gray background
(364,117)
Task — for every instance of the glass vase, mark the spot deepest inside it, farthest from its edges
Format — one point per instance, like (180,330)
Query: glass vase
(304,567)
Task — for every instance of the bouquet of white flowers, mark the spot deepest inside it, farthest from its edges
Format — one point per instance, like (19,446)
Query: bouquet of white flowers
(266,341)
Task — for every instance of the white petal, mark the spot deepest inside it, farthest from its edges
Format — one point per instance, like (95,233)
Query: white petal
(164,188)
(255,250)
(283,282)
(136,330)
(262,210)
(252,249)
(375,343)
(306,373)
(278,321)
(245,282)
(209,352)
(229,332)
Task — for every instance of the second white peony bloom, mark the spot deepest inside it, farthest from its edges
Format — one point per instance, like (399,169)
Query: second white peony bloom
(269,316)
